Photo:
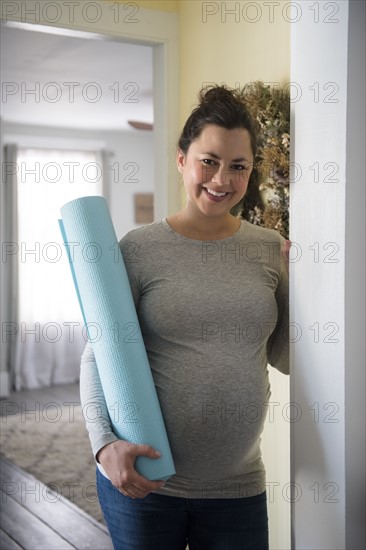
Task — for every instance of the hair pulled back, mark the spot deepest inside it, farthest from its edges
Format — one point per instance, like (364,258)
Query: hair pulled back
(223,107)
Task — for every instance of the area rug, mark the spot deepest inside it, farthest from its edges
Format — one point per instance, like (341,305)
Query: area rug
(53,445)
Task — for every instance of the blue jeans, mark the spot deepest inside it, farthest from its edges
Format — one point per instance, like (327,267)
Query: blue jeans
(160,522)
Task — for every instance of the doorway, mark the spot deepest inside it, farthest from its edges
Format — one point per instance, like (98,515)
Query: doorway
(153,43)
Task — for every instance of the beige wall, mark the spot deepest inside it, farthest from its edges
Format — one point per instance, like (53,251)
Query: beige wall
(161,5)
(237,47)
(216,48)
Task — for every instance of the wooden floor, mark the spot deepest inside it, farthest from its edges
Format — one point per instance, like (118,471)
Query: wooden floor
(32,516)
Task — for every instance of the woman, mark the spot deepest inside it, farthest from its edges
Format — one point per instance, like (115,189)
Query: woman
(211,293)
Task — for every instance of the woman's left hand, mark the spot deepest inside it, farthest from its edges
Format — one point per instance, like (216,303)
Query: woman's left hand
(285,251)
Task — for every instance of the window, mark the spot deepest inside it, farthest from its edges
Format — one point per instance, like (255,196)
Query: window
(51,335)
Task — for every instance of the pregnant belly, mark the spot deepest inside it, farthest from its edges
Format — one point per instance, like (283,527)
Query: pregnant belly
(213,428)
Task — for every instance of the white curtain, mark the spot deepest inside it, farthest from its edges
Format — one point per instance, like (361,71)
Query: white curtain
(50,336)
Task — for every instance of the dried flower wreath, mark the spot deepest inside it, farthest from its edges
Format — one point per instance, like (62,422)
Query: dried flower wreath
(266,202)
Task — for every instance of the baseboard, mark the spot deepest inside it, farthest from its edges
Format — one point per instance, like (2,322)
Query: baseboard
(4,384)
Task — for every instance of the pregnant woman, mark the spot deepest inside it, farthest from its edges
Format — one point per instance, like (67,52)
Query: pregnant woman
(211,294)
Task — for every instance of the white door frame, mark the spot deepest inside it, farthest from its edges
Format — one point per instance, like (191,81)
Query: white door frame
(328,374)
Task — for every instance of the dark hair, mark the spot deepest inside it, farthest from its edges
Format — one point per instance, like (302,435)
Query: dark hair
(223,107)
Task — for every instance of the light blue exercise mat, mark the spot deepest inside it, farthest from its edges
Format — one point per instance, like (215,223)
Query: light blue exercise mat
(106,301)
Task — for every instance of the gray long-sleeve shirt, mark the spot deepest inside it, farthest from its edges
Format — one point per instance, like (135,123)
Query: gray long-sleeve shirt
(213,314)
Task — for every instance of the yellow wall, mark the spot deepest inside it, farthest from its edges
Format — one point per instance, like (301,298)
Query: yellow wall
(222,50)
(218,44)
(162,5)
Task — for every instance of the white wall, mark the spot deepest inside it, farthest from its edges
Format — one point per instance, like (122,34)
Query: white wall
(327,277)
(129,157)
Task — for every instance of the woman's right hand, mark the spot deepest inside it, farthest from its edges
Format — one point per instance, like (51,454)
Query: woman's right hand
(118,460)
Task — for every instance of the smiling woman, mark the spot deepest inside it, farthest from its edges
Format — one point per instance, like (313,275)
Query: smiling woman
(215,157)
(216,169)
(210,323)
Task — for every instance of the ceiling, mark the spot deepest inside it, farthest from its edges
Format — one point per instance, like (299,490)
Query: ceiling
(79,81)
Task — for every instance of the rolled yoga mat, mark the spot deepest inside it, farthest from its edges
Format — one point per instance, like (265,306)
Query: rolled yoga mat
(107,305)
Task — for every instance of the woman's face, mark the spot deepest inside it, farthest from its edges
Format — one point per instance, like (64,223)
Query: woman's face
(216,169)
